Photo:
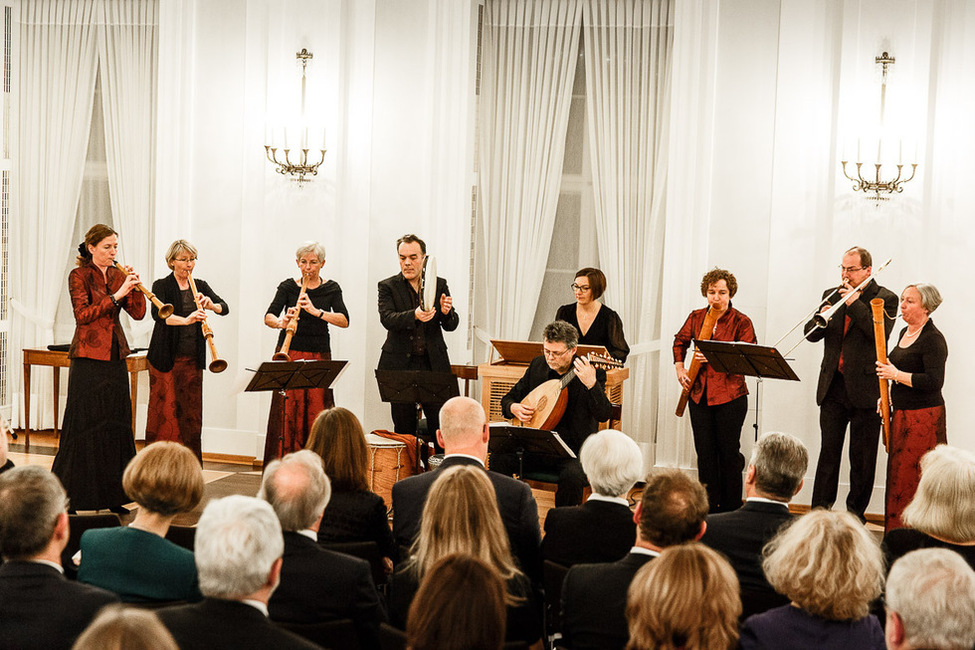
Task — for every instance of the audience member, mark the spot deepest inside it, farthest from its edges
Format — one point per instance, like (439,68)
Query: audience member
(464,434)
(461,516)
(601,529)
(39,607)
(137,562)
(687,598)
(942,514)
(5,463)
(316,584)
(354,513)
(931,602)
(774,476)
(671,511)
(238,556)
(125,628)
(830,568)
(460,606)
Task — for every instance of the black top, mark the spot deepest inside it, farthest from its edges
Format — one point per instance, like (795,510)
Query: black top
(357,516)
(901,541)
(164,344)
(586,407)
(312,333)
(925,360)
(606,330)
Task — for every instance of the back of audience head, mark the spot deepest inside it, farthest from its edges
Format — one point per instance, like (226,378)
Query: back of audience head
(33,507)
(238,543)
(125,628)
(297,488)
(672,510)
(462,423)
(942,503)
(780,463)
(337,436)
(164,478)
(612,462)
(460,606)
(686,598)
(931,601)
(827,563)
(4,430)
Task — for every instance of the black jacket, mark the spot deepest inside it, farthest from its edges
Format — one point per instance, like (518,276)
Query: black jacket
(396,313)
(162,346)
(216,623)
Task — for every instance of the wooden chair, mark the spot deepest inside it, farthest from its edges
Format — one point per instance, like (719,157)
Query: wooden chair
(329,634)
(78,524)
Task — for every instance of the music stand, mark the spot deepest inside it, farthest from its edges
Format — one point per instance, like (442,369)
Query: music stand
(749,359)
(283,376)
(508,439)
(416,387)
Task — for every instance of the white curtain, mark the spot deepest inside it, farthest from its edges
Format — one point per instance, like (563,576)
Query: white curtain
(528,58)
(628,47)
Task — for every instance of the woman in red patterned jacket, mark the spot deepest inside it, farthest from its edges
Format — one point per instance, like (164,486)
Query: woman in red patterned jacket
(96,436)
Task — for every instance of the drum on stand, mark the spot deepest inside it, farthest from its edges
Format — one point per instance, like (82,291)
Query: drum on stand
(388,463)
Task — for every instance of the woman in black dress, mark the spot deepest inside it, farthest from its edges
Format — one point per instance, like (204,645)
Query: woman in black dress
(597,324)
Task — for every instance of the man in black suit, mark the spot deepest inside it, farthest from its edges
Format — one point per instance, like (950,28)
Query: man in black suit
(238,556)
(848,389)
(414,338)
(317,585)
(774,476)
(464,433)
(672,511)
(586,406)
(39,607)
(601,529)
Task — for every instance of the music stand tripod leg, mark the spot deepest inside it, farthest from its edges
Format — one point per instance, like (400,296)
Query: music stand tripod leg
(284,421)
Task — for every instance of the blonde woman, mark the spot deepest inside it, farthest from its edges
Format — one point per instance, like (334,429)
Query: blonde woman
(461,516)
(686,598)
(125,628)
(831,568)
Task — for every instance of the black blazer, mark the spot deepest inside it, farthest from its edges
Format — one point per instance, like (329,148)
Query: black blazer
(357,516)
(519,512)
(217,623)
(596,531)
(396,315)
(162,345)
(594,603)
(318,585)
(40,608)
(859,349)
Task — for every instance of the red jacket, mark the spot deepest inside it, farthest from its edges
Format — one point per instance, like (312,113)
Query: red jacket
(96,315)
(715,387)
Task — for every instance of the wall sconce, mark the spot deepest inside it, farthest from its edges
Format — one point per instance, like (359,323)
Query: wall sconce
(295,139)
(877,185)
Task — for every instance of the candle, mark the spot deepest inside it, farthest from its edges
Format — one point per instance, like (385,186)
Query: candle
(900,152)
(858,150)
(880,142)
(304,137)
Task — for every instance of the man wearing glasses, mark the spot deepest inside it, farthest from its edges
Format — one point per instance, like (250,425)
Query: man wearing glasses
(586,407)
(848,389)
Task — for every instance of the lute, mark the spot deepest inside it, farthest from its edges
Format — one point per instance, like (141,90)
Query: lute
(549,399)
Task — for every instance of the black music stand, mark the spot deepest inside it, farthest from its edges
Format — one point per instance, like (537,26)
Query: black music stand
(417,387)
(541,443)
(283,376)
(749,359)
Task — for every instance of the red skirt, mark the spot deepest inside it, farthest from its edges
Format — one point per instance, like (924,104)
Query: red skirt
(303,406)
(176,405)
(913,433)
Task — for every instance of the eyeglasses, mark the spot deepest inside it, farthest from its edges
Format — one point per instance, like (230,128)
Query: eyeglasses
(552,354)
(851,269)
(576,287)
(184,259)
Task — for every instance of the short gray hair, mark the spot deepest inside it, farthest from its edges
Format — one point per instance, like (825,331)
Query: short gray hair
(297,488)
(933,592)
(311,247)
(780,462)
(930,296)
(612,462)
(31,500)
(238,540)
(943,496)
(561,332)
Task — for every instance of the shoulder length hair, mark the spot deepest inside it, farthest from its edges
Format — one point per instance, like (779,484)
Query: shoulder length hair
(337,436)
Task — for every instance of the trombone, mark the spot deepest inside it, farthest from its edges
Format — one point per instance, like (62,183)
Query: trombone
(218,364)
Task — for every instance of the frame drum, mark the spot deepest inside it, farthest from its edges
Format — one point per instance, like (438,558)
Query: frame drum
(428,284)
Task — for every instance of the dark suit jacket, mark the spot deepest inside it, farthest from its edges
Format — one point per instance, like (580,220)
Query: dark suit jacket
(96,317)
(357,516)
(162,346)
(859,349)
(40,608)
(594,603)
(519,512)
(319,585)
(396,314)
(596,531)
(216,623)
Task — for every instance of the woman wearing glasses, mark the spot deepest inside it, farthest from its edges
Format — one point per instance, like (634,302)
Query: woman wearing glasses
(596,323)
(719,401)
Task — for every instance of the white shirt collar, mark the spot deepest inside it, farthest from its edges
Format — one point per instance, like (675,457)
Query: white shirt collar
(309,533)
(54,565)
(256,604)
(764,500)
(640,550)
(479,461)
(602,497)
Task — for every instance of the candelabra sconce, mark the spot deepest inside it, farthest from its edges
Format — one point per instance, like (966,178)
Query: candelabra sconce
(301,170)
(297,170)
(878,186)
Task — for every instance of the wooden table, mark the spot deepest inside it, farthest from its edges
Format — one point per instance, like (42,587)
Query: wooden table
(135,363)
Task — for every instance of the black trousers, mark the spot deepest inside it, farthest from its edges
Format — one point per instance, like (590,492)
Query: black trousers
(404,415)
(835,413)
(717,441)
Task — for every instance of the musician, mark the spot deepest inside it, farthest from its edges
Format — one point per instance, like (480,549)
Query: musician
(718,401)
(916,365)
(319,306)
(177,352)
(586,407)
(596,323)
(414,338)
(96,436)
(848,388)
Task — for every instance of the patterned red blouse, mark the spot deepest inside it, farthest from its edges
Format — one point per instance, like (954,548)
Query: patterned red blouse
(719,387)
(95,314)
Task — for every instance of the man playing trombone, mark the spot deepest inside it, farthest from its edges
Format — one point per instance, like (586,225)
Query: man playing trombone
(848,389)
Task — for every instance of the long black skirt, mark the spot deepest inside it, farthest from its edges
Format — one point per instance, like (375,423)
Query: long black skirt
(96,436)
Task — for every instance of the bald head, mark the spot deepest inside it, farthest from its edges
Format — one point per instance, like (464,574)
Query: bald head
(462,425)
(297,489)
